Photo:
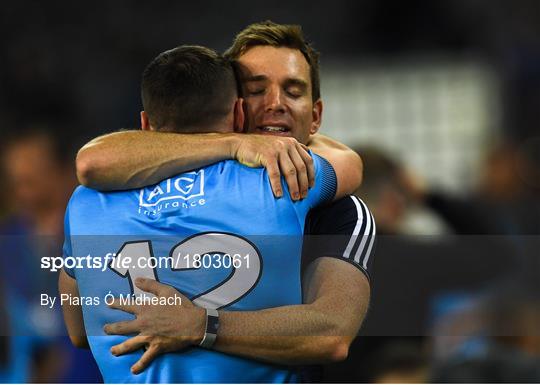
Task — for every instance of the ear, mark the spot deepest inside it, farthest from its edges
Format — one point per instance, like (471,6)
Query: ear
(317,116)
(239,115)
(145,122)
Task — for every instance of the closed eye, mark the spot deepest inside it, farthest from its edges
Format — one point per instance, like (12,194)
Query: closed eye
(296,88)
(294,93)
(256,92)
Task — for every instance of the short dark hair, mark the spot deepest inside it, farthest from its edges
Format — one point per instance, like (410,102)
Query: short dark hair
(278,35)
(187,88)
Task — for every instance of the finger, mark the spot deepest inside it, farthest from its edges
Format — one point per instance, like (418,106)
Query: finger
(275,177)
(132,309)
(145,360)
(308,160)
(122,328)
(301,169)
(289,171)
(152,286)
(129,345)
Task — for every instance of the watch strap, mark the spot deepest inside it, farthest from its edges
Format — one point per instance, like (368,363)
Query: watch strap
(211,329)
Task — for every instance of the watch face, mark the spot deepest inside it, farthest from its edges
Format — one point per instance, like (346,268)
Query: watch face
(213,324)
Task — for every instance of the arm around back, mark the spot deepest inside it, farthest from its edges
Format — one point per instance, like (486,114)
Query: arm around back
(73,316)
(346,163)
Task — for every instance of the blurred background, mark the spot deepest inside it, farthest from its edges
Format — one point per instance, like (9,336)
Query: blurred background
(440,98)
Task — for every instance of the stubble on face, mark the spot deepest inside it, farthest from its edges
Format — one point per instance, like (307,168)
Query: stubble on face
(276,87)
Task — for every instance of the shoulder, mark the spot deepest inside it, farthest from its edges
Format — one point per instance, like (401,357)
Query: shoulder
(83,194)
(340,217)
(80,193)
(344,229)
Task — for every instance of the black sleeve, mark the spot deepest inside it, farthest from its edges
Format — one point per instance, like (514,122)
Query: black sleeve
(344,229)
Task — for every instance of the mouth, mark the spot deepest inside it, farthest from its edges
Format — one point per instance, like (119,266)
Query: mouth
(274,129)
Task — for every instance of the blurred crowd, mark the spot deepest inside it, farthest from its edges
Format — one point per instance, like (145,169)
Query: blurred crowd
(38,176)
(462,305)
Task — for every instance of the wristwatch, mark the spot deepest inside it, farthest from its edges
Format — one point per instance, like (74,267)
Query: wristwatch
(212,324)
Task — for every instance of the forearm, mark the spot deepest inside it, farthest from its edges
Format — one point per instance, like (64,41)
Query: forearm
(73,316)
(299,335)
(321,330)
(336,297)
(132,159)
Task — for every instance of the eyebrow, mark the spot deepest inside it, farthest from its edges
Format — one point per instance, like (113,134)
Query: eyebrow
(288,82)
(255,78)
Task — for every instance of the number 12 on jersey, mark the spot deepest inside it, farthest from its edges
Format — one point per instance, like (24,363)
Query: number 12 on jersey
(207,250)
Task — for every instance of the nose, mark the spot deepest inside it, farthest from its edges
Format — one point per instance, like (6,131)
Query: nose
(274,100)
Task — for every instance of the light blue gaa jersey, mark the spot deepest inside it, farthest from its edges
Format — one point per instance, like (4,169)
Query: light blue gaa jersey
(253,244)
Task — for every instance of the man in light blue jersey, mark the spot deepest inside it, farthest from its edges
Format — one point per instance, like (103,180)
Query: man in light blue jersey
(215,210)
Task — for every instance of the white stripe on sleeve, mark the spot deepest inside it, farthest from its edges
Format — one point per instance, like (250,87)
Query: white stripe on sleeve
(356,230)
(364,237)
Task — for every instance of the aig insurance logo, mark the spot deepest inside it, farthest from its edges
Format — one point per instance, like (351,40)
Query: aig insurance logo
(173,192)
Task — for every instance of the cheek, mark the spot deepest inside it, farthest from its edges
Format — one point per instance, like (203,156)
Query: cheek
(252,106)
(304,112)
